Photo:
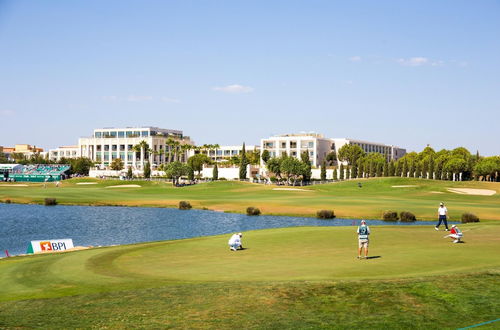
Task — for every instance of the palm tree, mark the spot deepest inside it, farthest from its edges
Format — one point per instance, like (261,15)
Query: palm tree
(170,143)
(142,147)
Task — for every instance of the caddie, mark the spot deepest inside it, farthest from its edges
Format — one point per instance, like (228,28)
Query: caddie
(363,233)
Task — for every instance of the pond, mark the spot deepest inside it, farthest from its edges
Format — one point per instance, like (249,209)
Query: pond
(103,225)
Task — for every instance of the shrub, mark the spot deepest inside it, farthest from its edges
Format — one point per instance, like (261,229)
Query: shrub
(325,214)
(184,205)
(469,217)
(406,216)
(253,210)
(7,201)
(50,201)
(222,179)
(390,216)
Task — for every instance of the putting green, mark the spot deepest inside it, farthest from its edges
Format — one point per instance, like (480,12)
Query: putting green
(289,254)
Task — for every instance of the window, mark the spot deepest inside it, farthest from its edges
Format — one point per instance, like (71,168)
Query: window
(310,144)
(129,147)
(98,134)
(268,145)
(293,144)
(99,148)
(121,134)
(122,147)
(114,147)
(144,133)
(106,147)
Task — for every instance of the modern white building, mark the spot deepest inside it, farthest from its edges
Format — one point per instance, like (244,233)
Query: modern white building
(391,152)
(108,144)
(294,145)
(64,152)
(224,153)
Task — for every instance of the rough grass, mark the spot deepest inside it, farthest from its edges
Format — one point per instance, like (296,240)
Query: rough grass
(346,198)
(285,278)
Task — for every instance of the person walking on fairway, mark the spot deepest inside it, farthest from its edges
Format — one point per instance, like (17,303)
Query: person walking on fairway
(235,242)
(363,232)
(443,216)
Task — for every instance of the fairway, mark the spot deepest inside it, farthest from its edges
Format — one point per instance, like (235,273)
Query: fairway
(375,196)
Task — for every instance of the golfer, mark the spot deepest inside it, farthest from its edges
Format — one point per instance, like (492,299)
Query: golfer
(455,234)
(443,216)
(363,232)
(235,242)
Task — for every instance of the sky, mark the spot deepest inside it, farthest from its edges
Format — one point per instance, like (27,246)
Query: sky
(406,73)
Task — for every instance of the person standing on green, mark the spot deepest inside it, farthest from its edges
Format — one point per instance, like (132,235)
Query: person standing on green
(443,216)
(363,233)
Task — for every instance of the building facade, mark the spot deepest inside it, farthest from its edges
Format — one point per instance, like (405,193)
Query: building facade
(64,152)
(223,154)
(391,152)
(135,145)
(294,145)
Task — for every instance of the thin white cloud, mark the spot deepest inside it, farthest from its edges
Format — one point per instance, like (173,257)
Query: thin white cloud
(355,58)
(419,61)
(110,98)
(234,89)
(170,100)
(6,112)
(138,98)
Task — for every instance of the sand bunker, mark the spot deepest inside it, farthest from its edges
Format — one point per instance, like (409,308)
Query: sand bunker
(86,183)
(14,185)
(125,186)
(436,192)
(405,186)
(291,189)
(470,191)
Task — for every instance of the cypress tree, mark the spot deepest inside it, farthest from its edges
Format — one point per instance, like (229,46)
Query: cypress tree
(431,167)
(323,170)
(335,177)
(404,169)
(373,169)
(354,170)
(392,170)
(215,173)
(379,169)
(385,171)
(243,163)
(190,173)
(341,175)
(147,170)
(129,172)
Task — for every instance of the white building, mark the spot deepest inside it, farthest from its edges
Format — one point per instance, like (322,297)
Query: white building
(295,144)
(108,144)
(224,153)
(389,151)
(64,152)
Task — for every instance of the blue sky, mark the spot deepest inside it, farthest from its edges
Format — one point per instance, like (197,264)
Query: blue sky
(409,73)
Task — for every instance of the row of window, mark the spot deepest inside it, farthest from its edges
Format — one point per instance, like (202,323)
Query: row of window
(291,144)
(133,134)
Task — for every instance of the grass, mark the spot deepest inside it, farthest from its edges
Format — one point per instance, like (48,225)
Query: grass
(345,198)
(304,277)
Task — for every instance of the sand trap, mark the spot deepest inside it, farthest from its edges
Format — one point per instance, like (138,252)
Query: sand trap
(86,183)
(470,191)
(14,185)
(125,186)
(291,189)
(436,192)
(405,186)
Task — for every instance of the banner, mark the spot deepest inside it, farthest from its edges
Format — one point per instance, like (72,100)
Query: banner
(51,245)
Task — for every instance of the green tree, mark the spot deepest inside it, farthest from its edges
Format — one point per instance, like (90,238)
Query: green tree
(341,174)
(197,161)
(265,156)
(323,170)
(455,166)
(147,170)
(117,164)
(81,165)
(215,173)
(244,163)
(306,165)
(176,170)
(274,165)
(350,153)
(130,175)
(335,176)
(292,168)
(488,168)
(392,169)
(385,170)
(190,173)
(331,158)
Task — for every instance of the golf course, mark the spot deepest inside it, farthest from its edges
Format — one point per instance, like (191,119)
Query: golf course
(301,277)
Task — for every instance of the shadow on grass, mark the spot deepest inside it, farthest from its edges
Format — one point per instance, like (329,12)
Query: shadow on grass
(373,257)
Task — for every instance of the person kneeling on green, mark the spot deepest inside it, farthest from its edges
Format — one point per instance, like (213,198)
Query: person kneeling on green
(363,232)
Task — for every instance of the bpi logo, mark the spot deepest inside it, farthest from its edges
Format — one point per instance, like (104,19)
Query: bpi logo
(56,246)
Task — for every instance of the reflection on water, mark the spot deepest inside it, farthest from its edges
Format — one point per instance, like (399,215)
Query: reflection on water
(94,226)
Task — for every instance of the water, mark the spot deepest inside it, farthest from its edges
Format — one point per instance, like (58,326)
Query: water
(100,226)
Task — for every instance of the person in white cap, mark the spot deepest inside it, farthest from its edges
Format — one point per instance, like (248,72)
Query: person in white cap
(443,216)
(363,232)
(235,242)
(455,234)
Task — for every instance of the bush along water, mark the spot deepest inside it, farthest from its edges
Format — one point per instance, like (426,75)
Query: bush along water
(253,210)
(406,216)
(390,216)
(325,214)
(184,205)
(50,201)
(469,217)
